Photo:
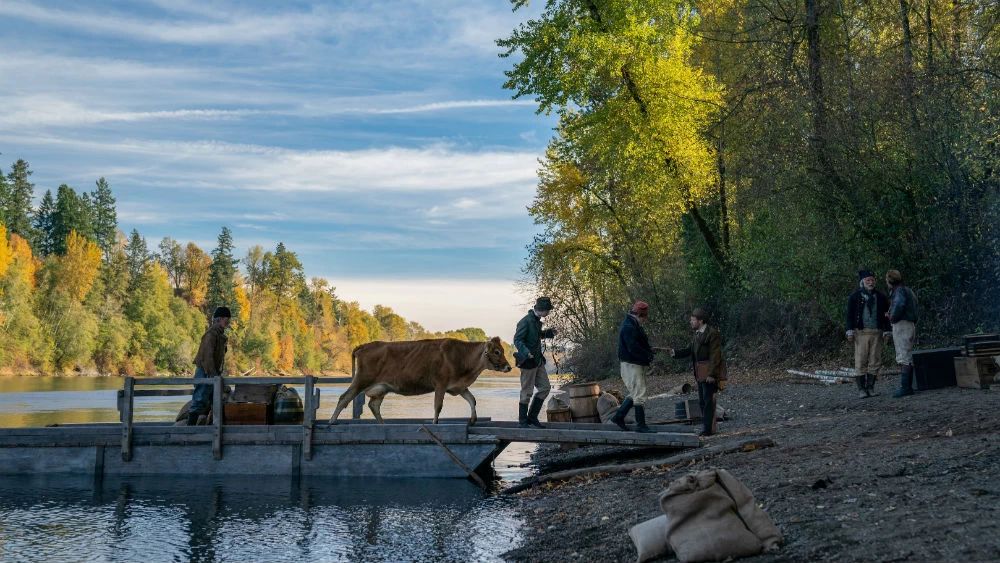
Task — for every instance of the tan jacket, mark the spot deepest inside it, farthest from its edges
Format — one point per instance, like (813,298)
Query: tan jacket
(212,351)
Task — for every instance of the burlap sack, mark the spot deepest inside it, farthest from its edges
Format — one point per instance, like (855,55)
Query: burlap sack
(650,539)
(607,406)
(558,400)
(711,516)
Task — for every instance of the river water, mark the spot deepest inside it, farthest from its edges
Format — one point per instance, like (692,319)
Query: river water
(68,518)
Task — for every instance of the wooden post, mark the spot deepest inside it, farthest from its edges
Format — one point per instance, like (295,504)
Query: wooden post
(217,416)
(309,416)
(126,416)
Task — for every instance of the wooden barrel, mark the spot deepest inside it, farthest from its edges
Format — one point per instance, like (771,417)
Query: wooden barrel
(583,402)
(559,415)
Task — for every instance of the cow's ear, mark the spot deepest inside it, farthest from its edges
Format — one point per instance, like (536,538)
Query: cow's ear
(495,340)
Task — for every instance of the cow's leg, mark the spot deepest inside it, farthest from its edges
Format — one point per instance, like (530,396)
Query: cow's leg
(467,395)
(438,402)
(345,400)
(377,393)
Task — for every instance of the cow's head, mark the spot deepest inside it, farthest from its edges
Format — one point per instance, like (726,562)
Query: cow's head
(495,356)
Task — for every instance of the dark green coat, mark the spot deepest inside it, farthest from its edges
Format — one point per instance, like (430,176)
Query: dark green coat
(529,334)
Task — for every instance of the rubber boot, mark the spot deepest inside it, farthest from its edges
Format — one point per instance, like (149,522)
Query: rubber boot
(905,382)
(533,409)
(619,416)
(193,418)
(860,382)
(640,420)
(870,384)
(522,415)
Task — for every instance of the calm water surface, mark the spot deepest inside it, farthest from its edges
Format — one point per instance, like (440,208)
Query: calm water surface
(68,518)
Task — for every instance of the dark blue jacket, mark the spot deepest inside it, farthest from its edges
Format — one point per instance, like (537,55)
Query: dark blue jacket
(633,344)
(902,304)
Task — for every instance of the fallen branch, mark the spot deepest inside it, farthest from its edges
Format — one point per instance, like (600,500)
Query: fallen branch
(747,446)
(826,378)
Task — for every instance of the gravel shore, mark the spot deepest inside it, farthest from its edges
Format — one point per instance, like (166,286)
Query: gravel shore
(848,479)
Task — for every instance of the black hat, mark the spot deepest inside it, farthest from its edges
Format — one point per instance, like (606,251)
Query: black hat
(222,312)
(543,304)
(865,274)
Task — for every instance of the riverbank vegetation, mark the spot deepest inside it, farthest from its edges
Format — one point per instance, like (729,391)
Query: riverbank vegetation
(751,157)
(76,294)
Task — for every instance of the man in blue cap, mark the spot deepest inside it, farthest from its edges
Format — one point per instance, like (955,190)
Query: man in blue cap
(208,363)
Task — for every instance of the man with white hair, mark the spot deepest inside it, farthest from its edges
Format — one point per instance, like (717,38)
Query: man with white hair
(866,326)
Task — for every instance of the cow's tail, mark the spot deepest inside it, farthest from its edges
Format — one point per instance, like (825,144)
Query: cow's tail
(354,363)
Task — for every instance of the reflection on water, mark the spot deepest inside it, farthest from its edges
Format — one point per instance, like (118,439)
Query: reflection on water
(259,519)
(56,518)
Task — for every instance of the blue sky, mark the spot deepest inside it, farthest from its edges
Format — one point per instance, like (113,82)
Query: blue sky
(373,138)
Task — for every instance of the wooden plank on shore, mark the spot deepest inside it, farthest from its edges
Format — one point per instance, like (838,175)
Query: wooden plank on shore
(608,437)
(662,427)
(428,421)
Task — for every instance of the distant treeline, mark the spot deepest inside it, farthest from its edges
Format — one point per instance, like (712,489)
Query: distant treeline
(77,294)
(750,156)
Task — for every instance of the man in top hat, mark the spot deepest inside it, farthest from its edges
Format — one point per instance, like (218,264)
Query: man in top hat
(208,363)
(866,325)
(635,355)
(528,341)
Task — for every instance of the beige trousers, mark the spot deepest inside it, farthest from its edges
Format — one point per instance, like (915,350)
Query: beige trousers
(867,351)
(634,377)
(534,378)
(904,337)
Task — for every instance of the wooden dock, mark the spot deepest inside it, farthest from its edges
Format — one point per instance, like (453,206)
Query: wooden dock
(352,447)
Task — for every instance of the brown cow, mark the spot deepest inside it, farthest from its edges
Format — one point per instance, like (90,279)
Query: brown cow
(418,367)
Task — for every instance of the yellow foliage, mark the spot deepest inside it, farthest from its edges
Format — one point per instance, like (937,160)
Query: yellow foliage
(78,267)
(24,263)
(244,303)
(286,353)
(6,254)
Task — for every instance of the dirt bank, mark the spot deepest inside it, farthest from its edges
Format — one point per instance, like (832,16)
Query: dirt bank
(877,479)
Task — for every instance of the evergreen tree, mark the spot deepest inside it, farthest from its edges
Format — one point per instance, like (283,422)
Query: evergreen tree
(221,284)
(72,214)
(137,258)
(4,197)
(44,239)
(17,204)
(105,217)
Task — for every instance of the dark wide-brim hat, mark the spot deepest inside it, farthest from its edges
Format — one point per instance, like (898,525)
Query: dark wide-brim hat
(543,304)
(865,274)
(222,312)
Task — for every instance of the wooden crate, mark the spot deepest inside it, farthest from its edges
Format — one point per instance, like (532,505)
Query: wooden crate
(975,373)
(248,413)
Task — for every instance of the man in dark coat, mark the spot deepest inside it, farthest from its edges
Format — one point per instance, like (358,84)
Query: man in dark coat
(635,355)
(903,317)
(706,355)
(208,363)
(529,358)
(867,325)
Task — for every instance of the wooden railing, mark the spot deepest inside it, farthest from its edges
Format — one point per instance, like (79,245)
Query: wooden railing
(310,403)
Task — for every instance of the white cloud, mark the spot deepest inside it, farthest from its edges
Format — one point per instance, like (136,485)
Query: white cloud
(443,304)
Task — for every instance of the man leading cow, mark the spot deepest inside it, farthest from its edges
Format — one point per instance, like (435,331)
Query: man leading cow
(535,384)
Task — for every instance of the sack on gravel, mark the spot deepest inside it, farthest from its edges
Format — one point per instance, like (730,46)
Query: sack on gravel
(650,539)
(711,516)
(607,406)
